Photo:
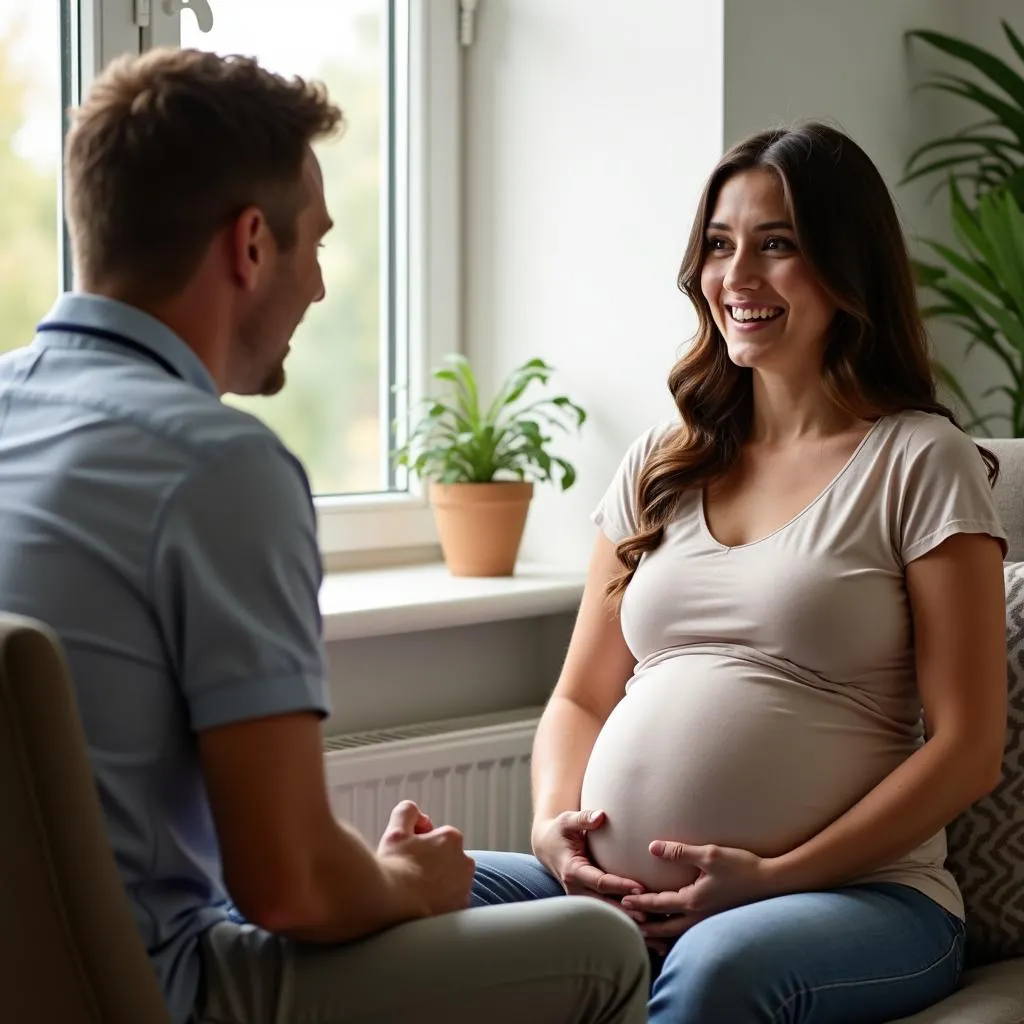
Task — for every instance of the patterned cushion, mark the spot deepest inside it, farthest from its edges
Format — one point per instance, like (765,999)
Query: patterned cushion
(986,843)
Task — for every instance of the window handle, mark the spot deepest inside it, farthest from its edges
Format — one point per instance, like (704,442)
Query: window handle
(467,11)
(200,8)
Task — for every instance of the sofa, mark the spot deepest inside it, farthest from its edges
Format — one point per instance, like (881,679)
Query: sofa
(986,844)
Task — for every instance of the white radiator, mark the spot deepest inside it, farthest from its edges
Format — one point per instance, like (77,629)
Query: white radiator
(473,773)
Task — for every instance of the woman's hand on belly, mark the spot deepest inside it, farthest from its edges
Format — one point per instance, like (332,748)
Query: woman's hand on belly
(727,877)
(560,844)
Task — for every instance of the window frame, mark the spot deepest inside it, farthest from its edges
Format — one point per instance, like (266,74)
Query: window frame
(94,32)
(103,30)
(361,530)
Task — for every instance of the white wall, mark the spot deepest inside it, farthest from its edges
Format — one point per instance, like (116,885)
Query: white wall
(377,682)
(849,63)
(590,125)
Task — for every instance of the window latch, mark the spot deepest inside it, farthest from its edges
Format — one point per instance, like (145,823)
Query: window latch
(200,8)
(143,13)
(467,12)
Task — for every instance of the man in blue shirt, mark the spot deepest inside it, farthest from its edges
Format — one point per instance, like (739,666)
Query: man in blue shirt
(170,540)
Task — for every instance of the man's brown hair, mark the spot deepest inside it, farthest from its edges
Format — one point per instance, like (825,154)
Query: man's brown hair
(169,147)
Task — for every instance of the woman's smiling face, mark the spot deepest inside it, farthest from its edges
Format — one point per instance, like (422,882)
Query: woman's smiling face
(766,302)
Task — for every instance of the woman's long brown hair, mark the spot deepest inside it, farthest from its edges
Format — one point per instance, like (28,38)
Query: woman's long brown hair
(876,360)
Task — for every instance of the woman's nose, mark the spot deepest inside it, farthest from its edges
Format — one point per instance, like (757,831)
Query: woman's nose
(742,272)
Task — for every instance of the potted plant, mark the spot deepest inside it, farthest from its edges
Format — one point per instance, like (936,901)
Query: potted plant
(481,461)
(980,288)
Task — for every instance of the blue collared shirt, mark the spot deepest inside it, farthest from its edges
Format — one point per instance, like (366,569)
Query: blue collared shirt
(170,541)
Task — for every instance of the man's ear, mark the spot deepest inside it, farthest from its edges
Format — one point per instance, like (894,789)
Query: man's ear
(249,247)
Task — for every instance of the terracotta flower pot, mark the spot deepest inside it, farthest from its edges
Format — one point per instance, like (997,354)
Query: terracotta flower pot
(480,525)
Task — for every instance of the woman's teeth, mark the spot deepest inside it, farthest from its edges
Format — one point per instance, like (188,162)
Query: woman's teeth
(742,314)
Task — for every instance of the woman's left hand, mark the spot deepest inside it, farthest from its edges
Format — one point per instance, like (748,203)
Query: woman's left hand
(726,878)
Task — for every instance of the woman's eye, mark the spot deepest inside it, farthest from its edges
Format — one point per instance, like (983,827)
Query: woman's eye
(716,244)
(775,242)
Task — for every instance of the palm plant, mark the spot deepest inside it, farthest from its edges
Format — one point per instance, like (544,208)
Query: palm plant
(459,439)
(980,288)
(989,153)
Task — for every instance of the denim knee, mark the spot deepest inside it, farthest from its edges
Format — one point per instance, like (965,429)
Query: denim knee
(702,983)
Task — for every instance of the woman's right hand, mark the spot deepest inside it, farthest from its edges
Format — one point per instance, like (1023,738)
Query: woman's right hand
(560,844)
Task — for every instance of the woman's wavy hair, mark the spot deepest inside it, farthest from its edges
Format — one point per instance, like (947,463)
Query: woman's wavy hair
(876,358)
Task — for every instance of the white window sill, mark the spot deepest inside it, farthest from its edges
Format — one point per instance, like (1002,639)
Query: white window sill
(406,599)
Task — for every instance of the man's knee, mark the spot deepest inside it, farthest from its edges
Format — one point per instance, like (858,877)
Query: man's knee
(587,958)
(606,934)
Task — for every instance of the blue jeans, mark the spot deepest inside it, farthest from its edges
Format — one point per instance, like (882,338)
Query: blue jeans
(863,954)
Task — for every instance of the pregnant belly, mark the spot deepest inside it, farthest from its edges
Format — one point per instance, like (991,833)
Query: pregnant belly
(709,749)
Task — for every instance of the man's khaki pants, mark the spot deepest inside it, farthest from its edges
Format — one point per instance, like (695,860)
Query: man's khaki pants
(564,961)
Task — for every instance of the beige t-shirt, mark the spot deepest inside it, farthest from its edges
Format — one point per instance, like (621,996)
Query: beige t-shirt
(775,683)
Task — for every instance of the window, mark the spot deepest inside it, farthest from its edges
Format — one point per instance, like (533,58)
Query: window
(336,408)
(31,72)
(361,357)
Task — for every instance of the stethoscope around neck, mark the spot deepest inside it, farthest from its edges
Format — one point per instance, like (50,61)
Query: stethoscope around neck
(113,336)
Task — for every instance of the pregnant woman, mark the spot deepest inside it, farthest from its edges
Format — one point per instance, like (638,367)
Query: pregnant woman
(788,670)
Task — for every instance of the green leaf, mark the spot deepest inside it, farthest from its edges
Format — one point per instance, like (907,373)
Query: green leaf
(973,269)
(940,310)
(941,165)
(1014,185)
(988,64)
(946,377)
(987,340)
(969,136)
(966,226)
(979,424)
(467,386)
(1000,389)
(516,384)
(529,428)
(434,415)
(568,473)
(995,145)
(510,397)
(1002,223)
(1014,40)
(997,165)
(1010,117)
(443,463)
(927,273)
(1011,327)
(963,312)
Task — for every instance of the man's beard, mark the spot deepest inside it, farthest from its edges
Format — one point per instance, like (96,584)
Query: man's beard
(274,381)
(257,334)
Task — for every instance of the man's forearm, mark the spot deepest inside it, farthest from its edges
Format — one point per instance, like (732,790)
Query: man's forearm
(350,892)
